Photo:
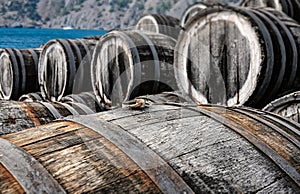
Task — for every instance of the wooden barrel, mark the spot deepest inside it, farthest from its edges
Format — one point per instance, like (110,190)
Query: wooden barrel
(250,57)
(127,64)
(64,67)
(163,149)
(287,106)
(16,116)
(86,98)
(195,9)
(18,69)
(290,7)
(159,23)
(31,97)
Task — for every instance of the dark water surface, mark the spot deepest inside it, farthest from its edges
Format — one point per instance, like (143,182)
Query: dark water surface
(33,38)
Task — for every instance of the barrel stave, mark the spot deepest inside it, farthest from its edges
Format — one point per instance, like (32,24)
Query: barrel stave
(214,156)
(17,116)
(108,169)
(8,183)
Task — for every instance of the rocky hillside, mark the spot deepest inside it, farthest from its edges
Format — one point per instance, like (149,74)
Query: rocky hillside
(84,14)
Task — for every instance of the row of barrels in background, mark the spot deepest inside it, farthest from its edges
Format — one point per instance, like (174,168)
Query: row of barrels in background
(249,64)
(169,144)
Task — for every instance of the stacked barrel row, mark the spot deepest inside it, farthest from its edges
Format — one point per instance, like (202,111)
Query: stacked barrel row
(164,143)
(34,76)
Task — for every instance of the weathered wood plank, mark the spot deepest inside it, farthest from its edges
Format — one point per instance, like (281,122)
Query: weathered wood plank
(17,116)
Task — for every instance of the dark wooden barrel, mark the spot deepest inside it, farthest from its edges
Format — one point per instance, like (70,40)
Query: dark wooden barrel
(169,148)
(290,7)
(127,64)
(86,98)
(18,72)
(64,67)
(31,97)
(16,116)
(287,106)
(159,23)
(250,57)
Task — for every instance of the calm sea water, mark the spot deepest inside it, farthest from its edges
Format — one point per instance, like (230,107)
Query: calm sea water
(33,38)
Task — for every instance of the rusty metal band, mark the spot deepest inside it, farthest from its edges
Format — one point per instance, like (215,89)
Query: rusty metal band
(84,108)
(77,99)
(290,124)
(159,171)
(51,109)
(155,59)
(137,66)
(78,53)
(69,108)
(15,67)
(264,121)
(87,50)
(36,96)
(35,58)
(22,68)
(71,66)
(90,95)
(29,173)
(266,149)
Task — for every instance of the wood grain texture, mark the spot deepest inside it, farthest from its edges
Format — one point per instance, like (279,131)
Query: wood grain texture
(127,64)
(250,57)
(19,73)
(83,161)
(64,67)
(17,116)
(204,150)
(8,183)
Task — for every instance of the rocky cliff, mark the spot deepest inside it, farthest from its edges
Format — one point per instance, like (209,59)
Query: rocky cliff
(84,14)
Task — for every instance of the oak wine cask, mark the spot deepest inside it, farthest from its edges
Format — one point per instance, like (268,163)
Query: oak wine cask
(19,72)
(250,57)
(127,64)
(64,67)
(170,148)
(159,23)
(16,116)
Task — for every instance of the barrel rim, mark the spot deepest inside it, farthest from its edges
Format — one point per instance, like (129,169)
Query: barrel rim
(14,72)
(188,88)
